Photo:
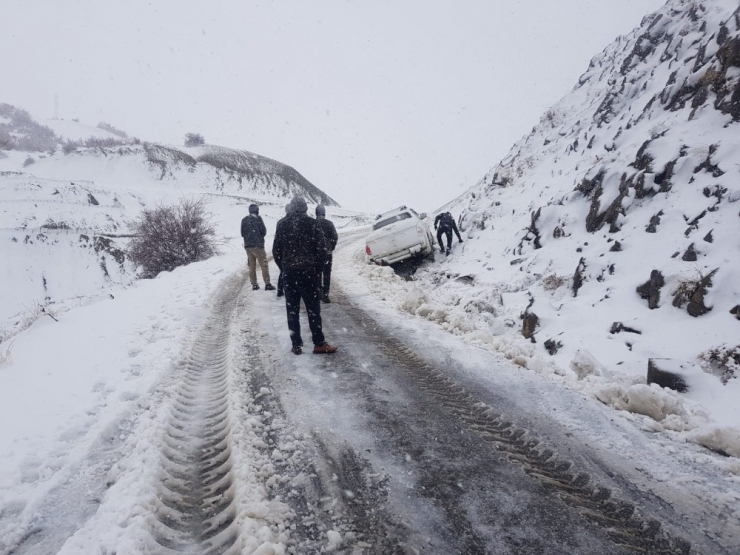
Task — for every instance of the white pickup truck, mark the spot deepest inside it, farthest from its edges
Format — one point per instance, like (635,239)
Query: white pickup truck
(398,235)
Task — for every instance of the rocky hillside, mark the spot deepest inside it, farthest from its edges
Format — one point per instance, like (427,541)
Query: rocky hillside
(610,234)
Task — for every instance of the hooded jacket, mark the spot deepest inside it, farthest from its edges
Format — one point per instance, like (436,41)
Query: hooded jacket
(254,231)
(299,243)
(330,232)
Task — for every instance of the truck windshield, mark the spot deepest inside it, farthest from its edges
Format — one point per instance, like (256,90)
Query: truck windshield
(391,220)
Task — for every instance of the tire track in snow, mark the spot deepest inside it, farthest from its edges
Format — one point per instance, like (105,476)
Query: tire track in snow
(621,520)
(195,507)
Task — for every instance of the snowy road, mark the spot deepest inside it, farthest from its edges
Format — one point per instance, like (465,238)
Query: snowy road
(419,456)
(406,441)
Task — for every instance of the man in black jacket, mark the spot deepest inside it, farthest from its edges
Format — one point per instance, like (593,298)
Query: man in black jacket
(447,225)
(300,252)
(280,288)
(330,234)
(253,232)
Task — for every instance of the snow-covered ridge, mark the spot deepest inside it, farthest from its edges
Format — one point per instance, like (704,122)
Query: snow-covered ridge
(629,182)
(67,208)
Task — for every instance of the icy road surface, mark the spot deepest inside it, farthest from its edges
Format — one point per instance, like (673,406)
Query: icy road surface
(405,441)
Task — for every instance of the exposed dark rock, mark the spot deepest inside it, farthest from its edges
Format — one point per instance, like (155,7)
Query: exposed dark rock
(558,232)
(650,290)
(552,346)
(533,229)
(736,311)
(616,247)
(690,255)
(587,186)
(694,224)
(654,223)
(578,276)
(708,237)
(529,325)
(672,379)
(618,327)
(643,160)
(596,220)
(638,183)
(691,293)
(728,56)
(707,165)
(664,178)
(92,200)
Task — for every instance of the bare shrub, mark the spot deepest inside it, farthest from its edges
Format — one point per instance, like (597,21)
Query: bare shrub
(171,236)
(194,139)
(70,146)
(691,293)
(722,360)
(553,282)
(28,161)
(23,133)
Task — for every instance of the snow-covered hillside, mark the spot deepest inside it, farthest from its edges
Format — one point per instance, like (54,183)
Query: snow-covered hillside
(610,234)
(65,215)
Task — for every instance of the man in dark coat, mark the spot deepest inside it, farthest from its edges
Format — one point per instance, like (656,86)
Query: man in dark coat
(280,288)
(330,234)
(253,232)
(447,225)
(300,252)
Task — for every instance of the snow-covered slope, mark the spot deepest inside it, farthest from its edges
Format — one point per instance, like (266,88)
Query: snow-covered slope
(65,215)
(635,173)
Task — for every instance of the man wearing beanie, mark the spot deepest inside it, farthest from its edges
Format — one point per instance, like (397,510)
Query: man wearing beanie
(300,251)
(253,232)
(330,234)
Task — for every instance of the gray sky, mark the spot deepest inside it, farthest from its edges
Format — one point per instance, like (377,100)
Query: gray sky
(378,103)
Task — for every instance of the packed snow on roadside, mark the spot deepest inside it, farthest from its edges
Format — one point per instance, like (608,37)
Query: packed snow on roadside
(85,399)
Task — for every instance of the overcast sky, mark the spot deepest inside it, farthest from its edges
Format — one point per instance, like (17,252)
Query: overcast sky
(377,102)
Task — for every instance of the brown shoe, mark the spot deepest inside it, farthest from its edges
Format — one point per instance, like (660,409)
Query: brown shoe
(324,349)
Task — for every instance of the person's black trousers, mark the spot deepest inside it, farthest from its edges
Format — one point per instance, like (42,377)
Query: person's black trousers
(297,285)
(280,282)
(326,275)
(447,232)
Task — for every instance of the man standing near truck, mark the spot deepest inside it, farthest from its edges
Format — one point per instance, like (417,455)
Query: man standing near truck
(444,223)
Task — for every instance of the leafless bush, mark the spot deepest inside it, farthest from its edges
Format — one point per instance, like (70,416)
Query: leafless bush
(691,293)
(171,236)
(70,146)
(723,360)
(553,281)
(28,161)
(194,139)
(23,133)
